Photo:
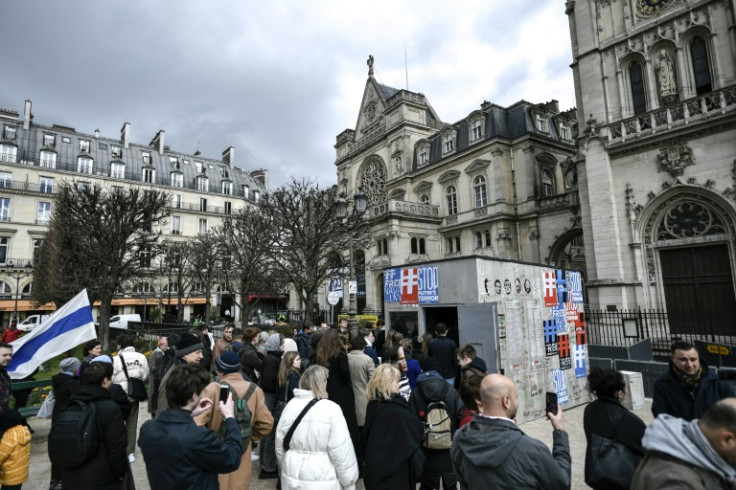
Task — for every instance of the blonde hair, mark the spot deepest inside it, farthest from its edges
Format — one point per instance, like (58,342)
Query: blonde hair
(379,386)
(314,379)
(287,367)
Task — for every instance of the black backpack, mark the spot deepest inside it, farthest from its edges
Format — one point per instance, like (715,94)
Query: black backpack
(163,364)
(73,437)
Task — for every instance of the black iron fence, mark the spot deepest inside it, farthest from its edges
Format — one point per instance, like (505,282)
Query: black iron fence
(626,327)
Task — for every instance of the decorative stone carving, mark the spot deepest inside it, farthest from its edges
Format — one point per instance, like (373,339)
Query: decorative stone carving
(674,158)
(666,76)
(373,180)
(370,65)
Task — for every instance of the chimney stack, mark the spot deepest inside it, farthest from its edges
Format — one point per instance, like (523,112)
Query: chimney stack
(261,175)
(228,156)
(158,141)
(125,135)
(27,115)
(97,133)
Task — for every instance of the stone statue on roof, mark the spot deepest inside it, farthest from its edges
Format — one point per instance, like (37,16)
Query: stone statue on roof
(370,65)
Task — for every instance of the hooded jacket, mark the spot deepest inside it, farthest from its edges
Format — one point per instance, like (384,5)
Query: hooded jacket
(15,455)
(672,398)
(680,456)
(476,367)
(269,380)
(110,464)
(495,453)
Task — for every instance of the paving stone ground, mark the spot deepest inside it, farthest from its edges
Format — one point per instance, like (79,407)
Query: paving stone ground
(541,429)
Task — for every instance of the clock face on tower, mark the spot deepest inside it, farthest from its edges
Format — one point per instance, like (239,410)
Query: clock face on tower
(650,8)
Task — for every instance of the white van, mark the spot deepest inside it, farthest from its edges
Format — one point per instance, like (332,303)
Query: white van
(121,321)
(32,322)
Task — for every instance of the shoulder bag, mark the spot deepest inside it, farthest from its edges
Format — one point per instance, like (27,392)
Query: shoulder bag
(287,439)
(136,387)
(608,463)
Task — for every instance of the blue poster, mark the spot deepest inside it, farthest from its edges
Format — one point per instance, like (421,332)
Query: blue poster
(560,381)
(575,286)
(429,292)
(392,285)
(580,357)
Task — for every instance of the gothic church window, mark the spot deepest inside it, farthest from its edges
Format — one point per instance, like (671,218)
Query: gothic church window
(701,67)
(373,180)
(638,93)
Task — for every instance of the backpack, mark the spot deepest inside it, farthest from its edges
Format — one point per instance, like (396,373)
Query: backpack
(243,416)
(437,426)
(163,364)
(73,437)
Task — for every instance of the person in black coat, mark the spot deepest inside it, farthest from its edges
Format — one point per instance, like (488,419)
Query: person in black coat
(607,417)
(392,435)
(105,471)
(251,361)
(432,387)
(331,354)
(269,384)
(64,385)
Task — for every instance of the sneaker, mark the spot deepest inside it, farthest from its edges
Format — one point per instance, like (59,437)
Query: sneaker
(131,458)
(254,457)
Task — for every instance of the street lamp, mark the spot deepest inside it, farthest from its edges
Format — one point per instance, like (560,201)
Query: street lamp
(18,273)
(359,202)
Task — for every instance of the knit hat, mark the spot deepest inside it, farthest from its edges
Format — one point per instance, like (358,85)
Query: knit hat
(70,364)
(188,343)
(102,358)
(290,346)
(227,362)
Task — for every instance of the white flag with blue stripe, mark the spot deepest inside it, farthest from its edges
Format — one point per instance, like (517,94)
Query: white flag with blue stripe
(69,326)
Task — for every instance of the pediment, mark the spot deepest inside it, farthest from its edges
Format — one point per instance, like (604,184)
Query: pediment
(372,108)
(398,194)
(448,176)
(477,166)
(423,186)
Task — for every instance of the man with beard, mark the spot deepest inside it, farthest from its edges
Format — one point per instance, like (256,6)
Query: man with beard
(492,452)
(689,388)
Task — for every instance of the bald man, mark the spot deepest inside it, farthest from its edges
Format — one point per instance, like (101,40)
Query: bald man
(697,454)
(492,452)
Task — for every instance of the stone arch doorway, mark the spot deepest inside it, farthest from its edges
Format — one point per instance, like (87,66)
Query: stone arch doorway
(688,239)
(568,252)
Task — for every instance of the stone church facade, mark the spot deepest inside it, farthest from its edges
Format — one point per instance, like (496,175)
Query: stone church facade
(501,182)
(655,84)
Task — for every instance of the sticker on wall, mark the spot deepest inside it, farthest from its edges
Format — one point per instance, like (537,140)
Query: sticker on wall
(550,337)
(560,382)
(575,286)
(550,289)
(411,286)
(392,286)
(561,287)
(559,316)
(563,347)
(580,356)
(502,326)
(581,336)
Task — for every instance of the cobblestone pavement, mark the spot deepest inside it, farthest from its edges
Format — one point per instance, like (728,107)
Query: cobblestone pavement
(541,429)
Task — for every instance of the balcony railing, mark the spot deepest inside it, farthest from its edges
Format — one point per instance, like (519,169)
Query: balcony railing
(405,208)
(700,108)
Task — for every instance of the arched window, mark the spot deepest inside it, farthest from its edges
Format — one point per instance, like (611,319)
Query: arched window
(481,196)
(414,245)
(422,250)
(701,67)
(638,93)
(424,199)
(548,183)
(451,200)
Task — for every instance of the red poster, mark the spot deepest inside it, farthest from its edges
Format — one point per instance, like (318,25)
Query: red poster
(550,289)
(409,287)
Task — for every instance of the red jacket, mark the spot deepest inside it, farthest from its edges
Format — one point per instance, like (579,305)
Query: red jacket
(10,335)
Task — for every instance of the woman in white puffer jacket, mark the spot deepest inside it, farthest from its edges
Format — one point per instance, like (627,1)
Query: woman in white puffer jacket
(320,454)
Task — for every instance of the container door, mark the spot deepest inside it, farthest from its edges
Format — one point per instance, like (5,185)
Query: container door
(478,326)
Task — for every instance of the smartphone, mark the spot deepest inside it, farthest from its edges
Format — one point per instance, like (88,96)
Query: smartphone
(224,392)
(551,403)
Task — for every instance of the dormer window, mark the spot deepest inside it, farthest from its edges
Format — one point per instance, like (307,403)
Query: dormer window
(49,140)
(177,179)
(198,166)
(246,191)
(448,143)
(174,162)
(117,170)
(476,129)
(146,158)
(203,184)
(149,175)
(84,165)
(116,153)
(84,146)
(541,123)
(564,132)
(9,132)
(224,173)
(227,188)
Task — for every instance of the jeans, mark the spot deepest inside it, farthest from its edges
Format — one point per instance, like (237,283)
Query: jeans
(433,482)
(268,445)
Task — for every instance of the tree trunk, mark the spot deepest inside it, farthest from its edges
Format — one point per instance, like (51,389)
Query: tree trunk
(103,335)
(309,308)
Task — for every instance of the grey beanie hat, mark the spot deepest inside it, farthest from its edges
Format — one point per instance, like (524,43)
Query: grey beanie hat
(70,364)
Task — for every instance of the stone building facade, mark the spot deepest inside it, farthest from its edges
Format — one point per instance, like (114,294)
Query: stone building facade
(501,182)
(655,84)
(35,158)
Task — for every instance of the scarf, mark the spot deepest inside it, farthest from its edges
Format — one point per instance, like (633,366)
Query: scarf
(688,382)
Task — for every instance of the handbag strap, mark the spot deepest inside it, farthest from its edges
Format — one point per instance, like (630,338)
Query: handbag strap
(125,368)
(287,439)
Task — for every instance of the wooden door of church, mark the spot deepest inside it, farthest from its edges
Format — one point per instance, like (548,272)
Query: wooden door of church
(698,288)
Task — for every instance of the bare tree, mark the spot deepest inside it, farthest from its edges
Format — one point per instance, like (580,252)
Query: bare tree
(95,239)
(205,266)
(244,239)
(307,231)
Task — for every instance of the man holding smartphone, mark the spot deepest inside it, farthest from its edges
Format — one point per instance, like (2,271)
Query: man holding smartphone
(492,452)
(171,442)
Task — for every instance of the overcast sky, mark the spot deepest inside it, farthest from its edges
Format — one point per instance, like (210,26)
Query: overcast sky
(278,80)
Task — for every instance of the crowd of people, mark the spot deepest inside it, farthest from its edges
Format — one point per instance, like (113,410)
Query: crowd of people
(326,408)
